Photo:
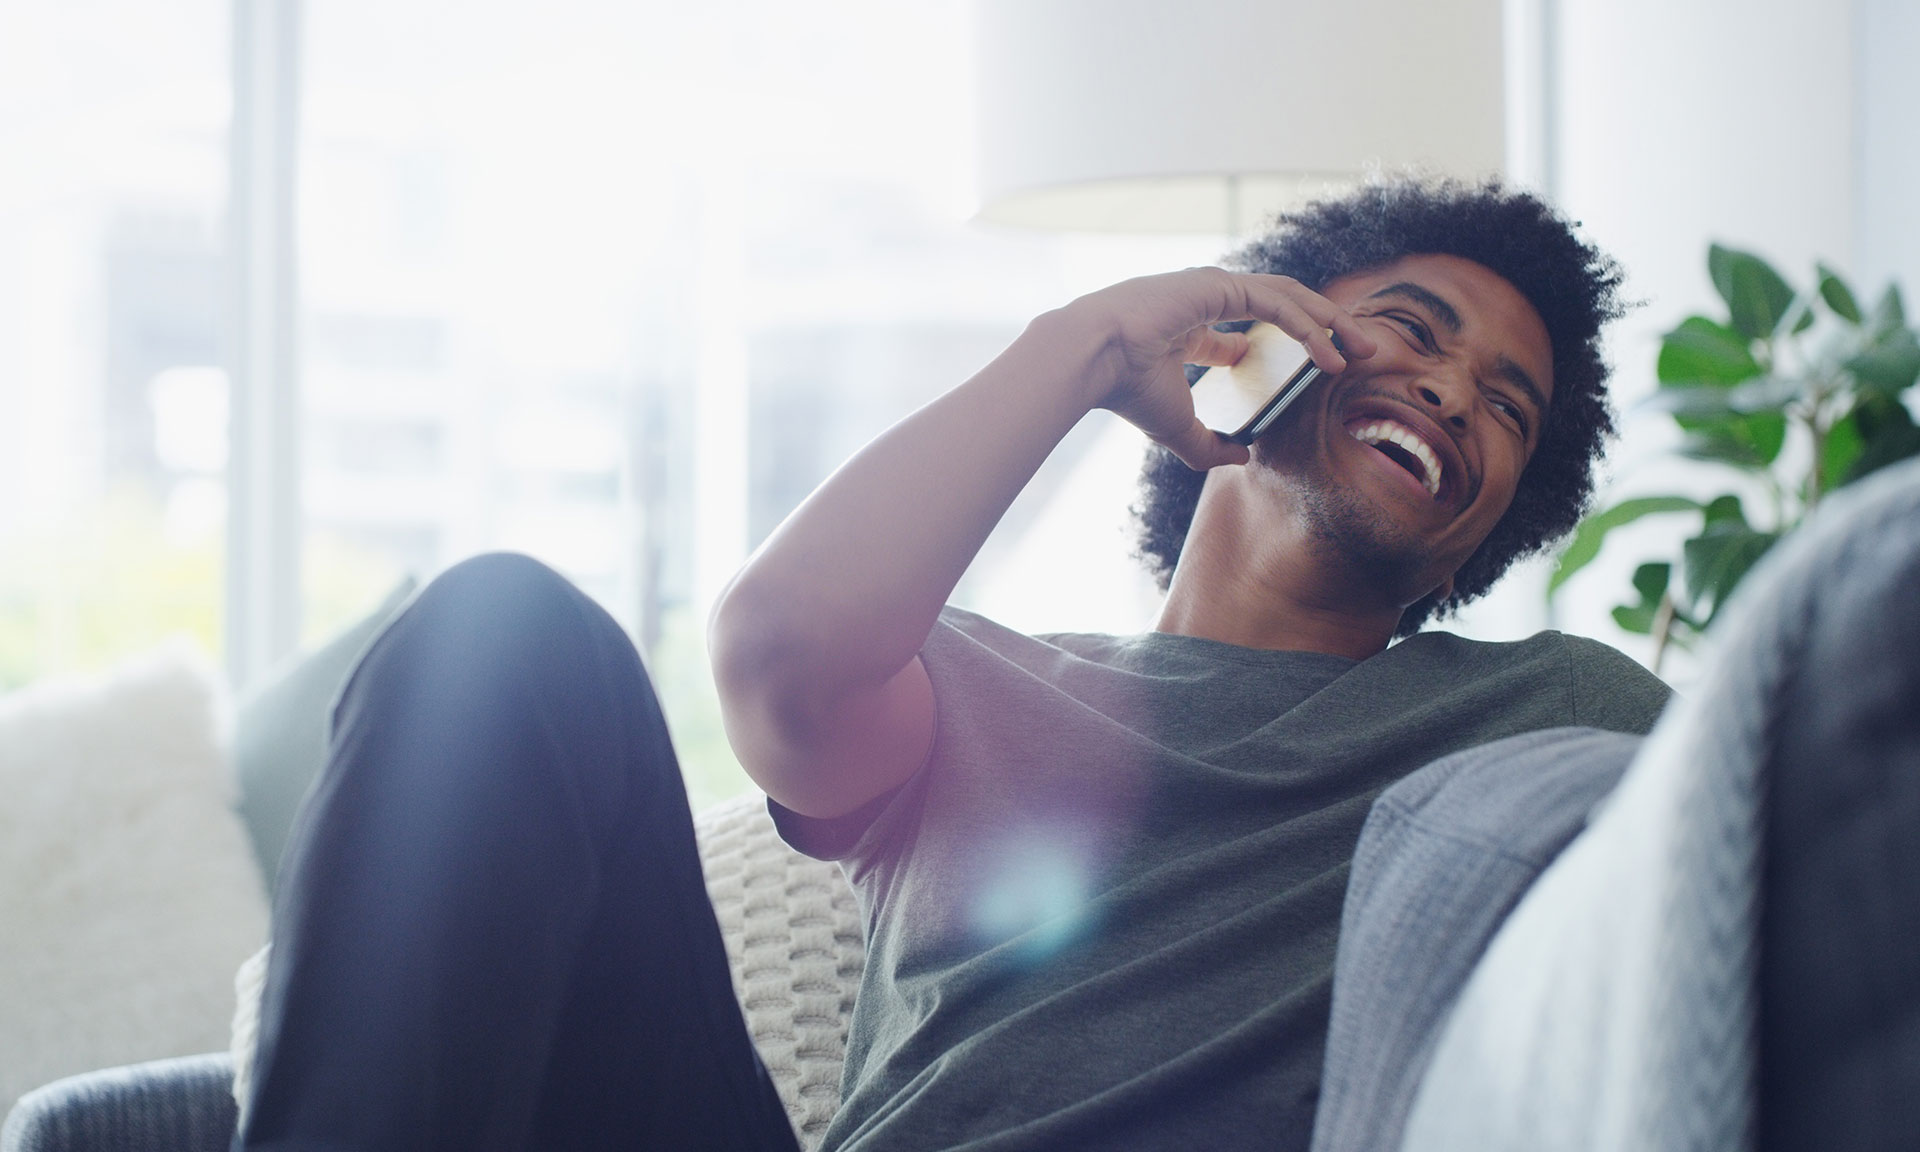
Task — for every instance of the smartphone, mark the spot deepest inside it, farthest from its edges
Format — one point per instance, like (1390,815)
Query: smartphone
(1243,400)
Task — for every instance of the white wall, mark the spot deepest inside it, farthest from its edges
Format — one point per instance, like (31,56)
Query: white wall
(1680,123)
(1886,157)
(1781,126)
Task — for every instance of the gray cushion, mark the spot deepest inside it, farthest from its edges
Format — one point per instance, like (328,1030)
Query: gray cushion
(1445,855)
(1616,1008)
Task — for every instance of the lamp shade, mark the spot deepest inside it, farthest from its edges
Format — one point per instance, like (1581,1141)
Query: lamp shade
(1209,115)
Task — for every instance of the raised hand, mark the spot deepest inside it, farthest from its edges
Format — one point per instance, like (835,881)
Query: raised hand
(1154,325)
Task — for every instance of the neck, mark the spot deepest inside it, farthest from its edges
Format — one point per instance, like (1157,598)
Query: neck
(1262,581)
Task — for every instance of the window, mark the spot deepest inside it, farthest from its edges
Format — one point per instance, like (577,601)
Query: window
(112,395)
(613,284)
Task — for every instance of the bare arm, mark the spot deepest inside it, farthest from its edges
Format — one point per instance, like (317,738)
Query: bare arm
(816,642)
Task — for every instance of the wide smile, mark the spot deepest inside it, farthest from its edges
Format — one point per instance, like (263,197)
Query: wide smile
(1404,447)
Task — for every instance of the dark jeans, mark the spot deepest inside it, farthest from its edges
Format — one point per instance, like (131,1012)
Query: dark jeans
(493,931)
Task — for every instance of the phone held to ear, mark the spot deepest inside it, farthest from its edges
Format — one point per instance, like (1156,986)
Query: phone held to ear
(1243,400)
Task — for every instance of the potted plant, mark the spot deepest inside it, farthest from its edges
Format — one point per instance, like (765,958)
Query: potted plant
(1790,395)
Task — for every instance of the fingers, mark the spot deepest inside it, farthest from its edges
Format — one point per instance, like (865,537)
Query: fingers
(1330,332)
(1208,345)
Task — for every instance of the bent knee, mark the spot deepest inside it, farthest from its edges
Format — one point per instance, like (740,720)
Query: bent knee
(500,578)
(498,610)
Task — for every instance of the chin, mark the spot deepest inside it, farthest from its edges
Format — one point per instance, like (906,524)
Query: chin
(1369,544)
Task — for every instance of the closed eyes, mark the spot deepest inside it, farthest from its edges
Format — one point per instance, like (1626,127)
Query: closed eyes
(1416,328)
(1423,338)
(1512,410)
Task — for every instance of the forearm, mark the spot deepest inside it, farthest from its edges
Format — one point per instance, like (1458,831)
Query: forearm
(815,643)
(845,591)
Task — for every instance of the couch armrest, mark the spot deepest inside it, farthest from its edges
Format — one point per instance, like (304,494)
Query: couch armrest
(180,1105)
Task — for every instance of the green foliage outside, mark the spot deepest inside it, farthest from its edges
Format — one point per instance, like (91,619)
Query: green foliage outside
(1790,395)
(113,579)
(684,682)
(88,590)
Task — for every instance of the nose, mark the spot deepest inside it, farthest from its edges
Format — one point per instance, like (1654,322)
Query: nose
(1446,396)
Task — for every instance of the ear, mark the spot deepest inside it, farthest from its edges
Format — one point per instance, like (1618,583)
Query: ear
(1444,590)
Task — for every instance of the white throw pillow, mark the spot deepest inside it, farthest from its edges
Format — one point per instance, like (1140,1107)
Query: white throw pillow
(128,890)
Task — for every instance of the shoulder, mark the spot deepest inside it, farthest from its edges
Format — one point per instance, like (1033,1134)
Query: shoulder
(964,641)
(1611,689)
(1601,686)
(1542,648)
(961,626)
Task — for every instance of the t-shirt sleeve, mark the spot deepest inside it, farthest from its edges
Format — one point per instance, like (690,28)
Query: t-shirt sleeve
(865,830)
(1611,690)
(832,839)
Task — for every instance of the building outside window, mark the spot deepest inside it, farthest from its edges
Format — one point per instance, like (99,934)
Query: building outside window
(612,284)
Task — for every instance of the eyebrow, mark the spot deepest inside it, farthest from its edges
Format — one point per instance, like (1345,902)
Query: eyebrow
(1442,311)
(1449,319)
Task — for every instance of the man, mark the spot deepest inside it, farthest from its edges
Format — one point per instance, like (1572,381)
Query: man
(1102,875)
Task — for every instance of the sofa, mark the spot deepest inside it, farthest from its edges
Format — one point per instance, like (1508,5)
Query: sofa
(792,935)
(790,923)
(1609,975)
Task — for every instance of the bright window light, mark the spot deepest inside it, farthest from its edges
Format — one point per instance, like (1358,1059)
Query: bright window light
(614,284)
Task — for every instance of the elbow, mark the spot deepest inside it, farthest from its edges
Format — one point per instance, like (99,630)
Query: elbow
(769,686)
(746,637)
(766,664)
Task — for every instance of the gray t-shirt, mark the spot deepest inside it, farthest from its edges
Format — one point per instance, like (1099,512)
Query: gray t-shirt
(1103,913)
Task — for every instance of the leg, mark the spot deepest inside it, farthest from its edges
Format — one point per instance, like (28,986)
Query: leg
(494,933)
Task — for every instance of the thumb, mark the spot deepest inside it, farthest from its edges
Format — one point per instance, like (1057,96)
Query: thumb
(1200,448)
(1207,345)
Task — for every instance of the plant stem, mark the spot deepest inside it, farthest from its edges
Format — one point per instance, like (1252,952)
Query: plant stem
(1662,629)
(1819,432)
(1819,428)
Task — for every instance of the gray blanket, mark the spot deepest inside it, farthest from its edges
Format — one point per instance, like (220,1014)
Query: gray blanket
(1619,1006)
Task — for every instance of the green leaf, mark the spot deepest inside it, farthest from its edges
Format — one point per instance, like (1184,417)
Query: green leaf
(1761,393)
(1757,297)
(1635,618)
(1701,352)
(1749,441)
(1887,433)
(1841,451)
(1879,415)
(1593,530)
(1766,393)
(1715,561)
(1884,451)
(1726,510)
(1650,581)
(1889,314)
(1720,263)
(1838,296)
(1890,364)
(1767,432)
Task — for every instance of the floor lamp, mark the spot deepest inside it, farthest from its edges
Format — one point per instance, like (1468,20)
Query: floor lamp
(1210,115)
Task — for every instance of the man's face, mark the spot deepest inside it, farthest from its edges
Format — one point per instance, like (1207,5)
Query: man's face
(1408,458)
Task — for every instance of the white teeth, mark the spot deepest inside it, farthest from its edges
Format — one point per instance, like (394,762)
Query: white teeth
(1386,431)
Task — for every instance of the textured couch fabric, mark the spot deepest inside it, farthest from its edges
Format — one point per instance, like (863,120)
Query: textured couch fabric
(1445,855)
(792,932)
(179,1105)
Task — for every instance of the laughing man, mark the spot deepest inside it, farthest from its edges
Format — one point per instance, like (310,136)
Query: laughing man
(1102,876)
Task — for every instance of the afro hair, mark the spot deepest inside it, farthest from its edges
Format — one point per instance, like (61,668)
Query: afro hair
(1573,286)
